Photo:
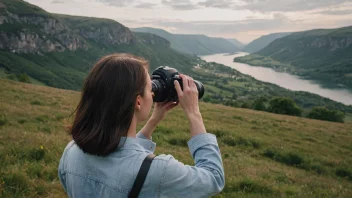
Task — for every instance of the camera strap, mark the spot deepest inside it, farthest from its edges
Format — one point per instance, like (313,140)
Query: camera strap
(142,174)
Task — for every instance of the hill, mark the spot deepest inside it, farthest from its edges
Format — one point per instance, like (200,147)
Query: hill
(193,44)
(322,54)
(237,43)
(262,42)
(264,155)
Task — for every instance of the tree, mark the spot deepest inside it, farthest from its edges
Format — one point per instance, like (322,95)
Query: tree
(259,104)
(286,106)
(23,78)
(322,113)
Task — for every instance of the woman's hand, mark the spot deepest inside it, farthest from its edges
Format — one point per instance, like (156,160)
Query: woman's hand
(161,109)
(159,113)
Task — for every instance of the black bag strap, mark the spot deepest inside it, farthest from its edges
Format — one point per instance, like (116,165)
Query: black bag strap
(142,174)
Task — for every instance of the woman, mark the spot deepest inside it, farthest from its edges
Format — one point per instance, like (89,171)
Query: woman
(106,152)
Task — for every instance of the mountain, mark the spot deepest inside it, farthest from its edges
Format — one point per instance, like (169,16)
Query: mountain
(262,42)
(322,54)
(58,50)
(193,44)
(237,43)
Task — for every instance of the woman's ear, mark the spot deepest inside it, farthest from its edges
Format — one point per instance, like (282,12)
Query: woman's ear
(138,103)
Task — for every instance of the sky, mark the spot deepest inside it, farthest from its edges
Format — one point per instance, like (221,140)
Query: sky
(244,20)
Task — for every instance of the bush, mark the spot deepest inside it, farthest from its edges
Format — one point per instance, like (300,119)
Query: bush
(344,172)
(3,120)
(286,106)
(23,78)
(322,113)
(178,141)
(291,159)
(259,104)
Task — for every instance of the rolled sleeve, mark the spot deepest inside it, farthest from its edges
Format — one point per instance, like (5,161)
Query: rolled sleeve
(142,136)
(205,179)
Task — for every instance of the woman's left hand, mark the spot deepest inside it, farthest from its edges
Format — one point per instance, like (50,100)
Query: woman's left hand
(161,109)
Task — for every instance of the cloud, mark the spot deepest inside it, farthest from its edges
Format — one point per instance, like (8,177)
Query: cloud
(223,4)
(263,6)
(180,4)
(289,5)
(145,5)
(336,12)
(117,3)
(60,1)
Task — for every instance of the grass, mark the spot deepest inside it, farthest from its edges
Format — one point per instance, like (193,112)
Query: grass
(264,155)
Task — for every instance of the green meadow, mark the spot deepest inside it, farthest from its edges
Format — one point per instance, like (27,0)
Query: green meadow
(264,155)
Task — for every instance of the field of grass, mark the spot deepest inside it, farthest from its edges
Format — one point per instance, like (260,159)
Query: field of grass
(264,155)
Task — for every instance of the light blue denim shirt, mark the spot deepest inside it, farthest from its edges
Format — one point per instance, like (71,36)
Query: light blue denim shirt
(84,175)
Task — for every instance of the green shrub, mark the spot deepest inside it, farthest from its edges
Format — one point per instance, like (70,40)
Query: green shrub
(164,130)
(178,141)
(259,104)
(240,141)
(15,183)
(344,172)
(291,159)
(36,102)
(46,130)
(218,133)
(34,170)
(3,120)
(23,78)
(250,186)
(286,106)
(322,113)
(22,121)
(42,118)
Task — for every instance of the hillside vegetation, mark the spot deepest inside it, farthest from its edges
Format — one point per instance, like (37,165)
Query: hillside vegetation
(193,44)
(264,155)
(262,42)
(323,54)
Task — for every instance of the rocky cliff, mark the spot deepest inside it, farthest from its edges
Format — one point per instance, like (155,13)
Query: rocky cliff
(36,34)
(41,32)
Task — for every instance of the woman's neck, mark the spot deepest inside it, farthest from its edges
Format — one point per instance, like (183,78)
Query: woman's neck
(133,127)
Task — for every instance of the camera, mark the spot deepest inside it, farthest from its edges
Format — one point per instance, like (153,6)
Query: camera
(163,84)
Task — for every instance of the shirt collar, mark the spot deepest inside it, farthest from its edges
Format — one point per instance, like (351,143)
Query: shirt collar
(139,144)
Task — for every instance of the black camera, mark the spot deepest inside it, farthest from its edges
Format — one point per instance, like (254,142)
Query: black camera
(163,84)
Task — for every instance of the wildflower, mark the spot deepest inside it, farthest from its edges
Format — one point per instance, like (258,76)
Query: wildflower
(41,147)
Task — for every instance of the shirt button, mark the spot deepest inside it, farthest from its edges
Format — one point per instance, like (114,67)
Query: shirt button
(150,147)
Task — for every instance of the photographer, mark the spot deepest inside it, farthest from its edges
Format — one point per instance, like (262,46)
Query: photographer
(106,153)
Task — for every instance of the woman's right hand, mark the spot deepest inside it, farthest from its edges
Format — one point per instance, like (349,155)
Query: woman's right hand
(188,96)
(188,100)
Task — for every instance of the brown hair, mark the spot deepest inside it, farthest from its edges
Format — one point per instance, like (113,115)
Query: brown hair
(105,111)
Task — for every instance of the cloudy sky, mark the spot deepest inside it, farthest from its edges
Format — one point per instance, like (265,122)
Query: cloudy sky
(244,20)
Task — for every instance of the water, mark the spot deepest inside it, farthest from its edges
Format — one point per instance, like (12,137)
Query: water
(285,80)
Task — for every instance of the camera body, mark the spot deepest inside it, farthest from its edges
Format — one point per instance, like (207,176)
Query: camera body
(163,86)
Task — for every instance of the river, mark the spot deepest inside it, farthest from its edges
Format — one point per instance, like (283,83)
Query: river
(281,79)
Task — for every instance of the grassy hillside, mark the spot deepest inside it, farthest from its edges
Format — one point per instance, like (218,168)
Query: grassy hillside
(264,155)
(323,54)
(262,42)
(193,44)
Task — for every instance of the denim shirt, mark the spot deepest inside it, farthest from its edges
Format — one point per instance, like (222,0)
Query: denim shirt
(85,175)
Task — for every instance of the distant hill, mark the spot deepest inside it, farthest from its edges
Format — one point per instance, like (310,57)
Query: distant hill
(262,42)
(321,54)
(193,44)
(237,43)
